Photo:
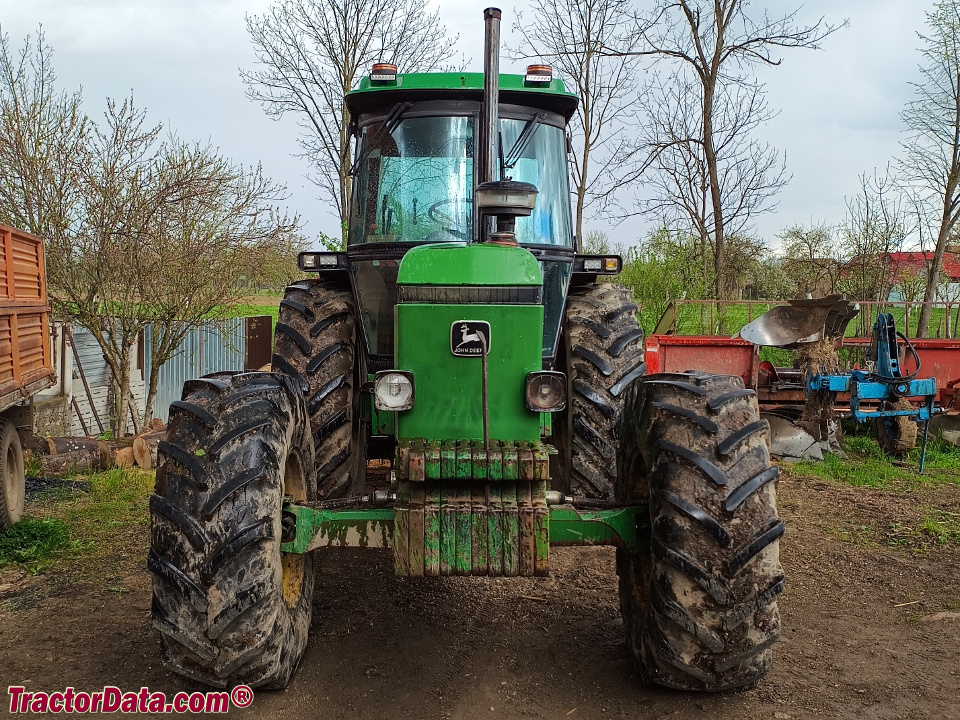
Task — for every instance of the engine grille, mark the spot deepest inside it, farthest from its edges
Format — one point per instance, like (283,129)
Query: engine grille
(469,295)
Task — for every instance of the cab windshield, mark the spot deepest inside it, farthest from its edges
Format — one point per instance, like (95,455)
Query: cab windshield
(415,180)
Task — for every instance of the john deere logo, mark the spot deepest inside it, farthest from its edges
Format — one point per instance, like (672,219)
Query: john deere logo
(468,337)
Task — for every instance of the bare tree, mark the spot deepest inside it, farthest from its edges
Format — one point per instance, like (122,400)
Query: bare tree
(771,281)
(312,52)
(42,134)
(932,161)
(660,269)
(708,172)
(94,272)
(876,225)
(215,227)
(811,259)
(911,282)
(139,229)
(597,242)
(588,42)
(168,232)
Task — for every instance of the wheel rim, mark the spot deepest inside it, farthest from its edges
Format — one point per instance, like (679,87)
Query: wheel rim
(12,485)
(293,564)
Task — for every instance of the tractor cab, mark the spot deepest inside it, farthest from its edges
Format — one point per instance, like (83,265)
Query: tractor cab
(414,174)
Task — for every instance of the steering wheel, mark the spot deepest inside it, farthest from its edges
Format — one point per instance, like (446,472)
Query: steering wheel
(448,222)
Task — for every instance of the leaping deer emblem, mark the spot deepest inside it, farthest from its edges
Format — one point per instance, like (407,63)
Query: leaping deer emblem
(469,337)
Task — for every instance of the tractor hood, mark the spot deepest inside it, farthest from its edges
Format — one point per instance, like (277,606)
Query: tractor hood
(463,264)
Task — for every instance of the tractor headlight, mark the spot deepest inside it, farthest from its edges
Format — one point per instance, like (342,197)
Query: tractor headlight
(393,390)
(601,264)
(320,261)
(546,391)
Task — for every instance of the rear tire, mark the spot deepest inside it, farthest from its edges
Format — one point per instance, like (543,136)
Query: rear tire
(315,345)
(700,609)
(228,607)
(601,353)
(12,476)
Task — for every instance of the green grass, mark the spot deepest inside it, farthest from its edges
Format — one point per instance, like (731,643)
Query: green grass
(117,497)
(866,465)
(32,465)
(778,356)
(103,523)
(726,319)
(242,311)
(862,326)
(32,542)
(235,311)
(913,526)
(935,527)
(941,526)
(861,535)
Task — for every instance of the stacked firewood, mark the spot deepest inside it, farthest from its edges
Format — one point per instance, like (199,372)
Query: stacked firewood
(58,455)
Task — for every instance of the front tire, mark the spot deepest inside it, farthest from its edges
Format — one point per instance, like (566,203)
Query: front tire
(228,607)
(700,609)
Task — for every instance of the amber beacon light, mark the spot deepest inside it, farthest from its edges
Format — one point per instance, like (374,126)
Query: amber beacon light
(538,74)
(383,72)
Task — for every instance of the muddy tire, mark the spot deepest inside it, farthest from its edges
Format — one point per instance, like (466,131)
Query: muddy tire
(315,345)
(700,609)
(12,479)
(228,607)
(601,352)
(896,435)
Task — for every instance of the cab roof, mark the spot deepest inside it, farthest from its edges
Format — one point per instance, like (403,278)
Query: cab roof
(412,87)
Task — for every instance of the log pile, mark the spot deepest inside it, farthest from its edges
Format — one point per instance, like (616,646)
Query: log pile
(70,454)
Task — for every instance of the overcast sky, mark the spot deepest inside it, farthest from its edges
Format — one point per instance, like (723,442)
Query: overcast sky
(838,107)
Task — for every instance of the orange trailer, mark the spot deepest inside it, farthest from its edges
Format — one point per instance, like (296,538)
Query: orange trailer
(25,362)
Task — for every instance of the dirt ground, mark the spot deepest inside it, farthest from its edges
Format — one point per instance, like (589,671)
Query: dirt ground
(870,631)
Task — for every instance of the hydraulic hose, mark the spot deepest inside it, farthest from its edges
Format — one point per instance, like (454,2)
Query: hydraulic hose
(902,378)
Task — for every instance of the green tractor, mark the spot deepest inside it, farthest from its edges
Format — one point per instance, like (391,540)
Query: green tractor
(463,342)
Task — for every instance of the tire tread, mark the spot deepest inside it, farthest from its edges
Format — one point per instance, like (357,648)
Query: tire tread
(700,610)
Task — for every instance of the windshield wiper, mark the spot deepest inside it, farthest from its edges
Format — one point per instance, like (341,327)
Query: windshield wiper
(526,135)
(386,128)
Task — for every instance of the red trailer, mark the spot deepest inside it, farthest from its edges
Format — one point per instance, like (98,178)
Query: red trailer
(939,359)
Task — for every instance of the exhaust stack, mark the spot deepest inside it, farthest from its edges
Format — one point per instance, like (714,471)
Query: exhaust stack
(491,95)
(504,199)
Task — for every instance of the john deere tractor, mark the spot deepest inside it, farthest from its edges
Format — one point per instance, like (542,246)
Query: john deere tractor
(465,344)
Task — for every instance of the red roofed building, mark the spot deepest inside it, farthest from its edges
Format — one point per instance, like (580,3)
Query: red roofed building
(907,265)
(915,261)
